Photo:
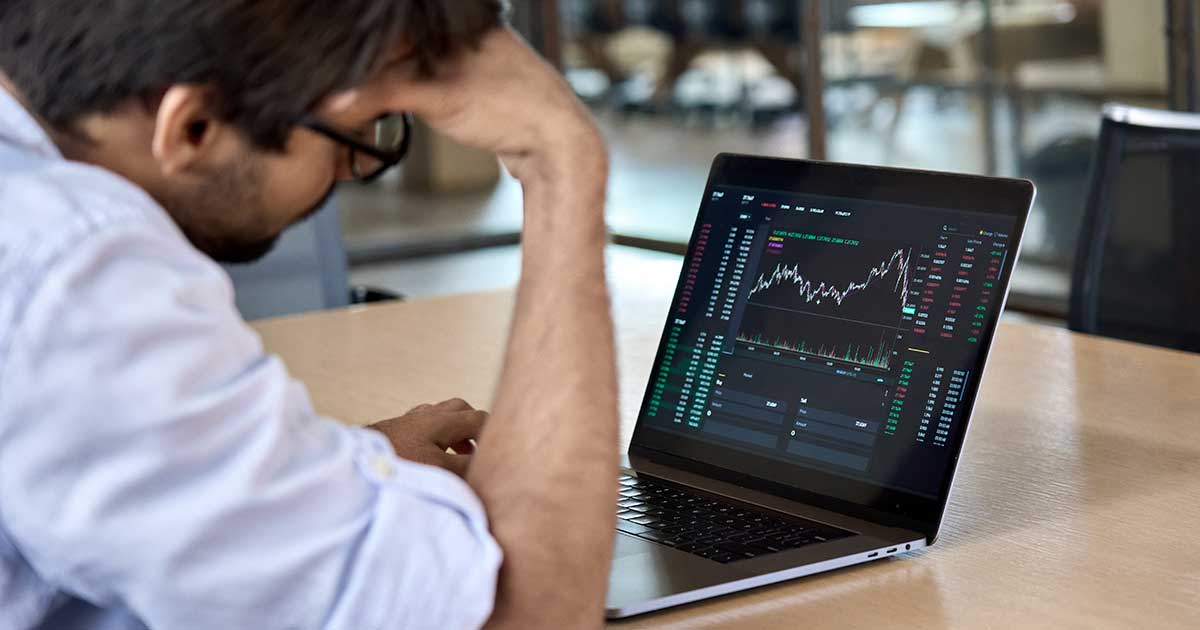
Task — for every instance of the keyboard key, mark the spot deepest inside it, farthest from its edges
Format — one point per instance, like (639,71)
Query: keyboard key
(644,520)
(737,549)
(628,515)
(724,558)
(632,528)
(660,537)
(765,547)
(628,503)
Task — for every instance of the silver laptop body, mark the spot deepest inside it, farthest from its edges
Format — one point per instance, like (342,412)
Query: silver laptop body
(728,415)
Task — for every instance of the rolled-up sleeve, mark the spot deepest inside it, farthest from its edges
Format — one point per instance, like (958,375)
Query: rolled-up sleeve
(152,457)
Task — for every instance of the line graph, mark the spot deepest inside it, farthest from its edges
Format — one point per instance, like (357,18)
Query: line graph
(894,273)
(835,298)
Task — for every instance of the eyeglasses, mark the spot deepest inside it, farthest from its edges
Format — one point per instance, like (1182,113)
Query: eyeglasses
(386,145)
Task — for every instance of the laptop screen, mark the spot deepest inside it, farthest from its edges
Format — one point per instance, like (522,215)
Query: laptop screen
(832,334)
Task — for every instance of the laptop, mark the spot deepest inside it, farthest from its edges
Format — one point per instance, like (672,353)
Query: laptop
(814,383)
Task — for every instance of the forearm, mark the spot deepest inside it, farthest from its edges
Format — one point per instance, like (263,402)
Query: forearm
(546,469)
(546,464)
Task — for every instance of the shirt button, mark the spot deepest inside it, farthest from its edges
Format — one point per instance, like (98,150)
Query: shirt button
(381,466)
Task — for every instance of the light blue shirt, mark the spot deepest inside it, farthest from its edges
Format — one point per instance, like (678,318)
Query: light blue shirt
(159,470)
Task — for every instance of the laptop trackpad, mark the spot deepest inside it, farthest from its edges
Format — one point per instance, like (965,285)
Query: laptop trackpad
(629,546)
(643,571)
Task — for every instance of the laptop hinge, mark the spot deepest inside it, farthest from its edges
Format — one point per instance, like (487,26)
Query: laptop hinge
(833,504)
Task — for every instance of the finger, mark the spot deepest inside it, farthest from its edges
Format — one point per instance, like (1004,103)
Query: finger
(404,87)
(396,89)
(457,427)
(457,464)
(454,404)
(339,103)
(367,97)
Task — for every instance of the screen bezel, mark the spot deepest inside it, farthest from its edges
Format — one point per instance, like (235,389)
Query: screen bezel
(1012,198)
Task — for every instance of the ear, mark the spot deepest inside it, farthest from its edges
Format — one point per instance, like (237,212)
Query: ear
(186,128)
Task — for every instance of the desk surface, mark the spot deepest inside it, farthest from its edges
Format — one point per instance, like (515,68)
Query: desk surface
(1077,504)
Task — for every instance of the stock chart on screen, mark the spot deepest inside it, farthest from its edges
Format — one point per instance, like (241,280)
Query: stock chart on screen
(832,333)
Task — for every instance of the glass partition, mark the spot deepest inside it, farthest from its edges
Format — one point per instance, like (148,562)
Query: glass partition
(674,82)
(999,87)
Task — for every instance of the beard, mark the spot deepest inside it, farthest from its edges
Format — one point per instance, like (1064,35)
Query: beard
(225,220)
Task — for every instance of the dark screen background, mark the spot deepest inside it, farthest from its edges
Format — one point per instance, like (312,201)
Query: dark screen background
(832,334)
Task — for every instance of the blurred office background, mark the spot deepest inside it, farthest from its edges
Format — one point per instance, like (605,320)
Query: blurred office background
(996,87)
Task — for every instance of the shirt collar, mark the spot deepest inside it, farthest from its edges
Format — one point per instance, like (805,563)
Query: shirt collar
(19,127)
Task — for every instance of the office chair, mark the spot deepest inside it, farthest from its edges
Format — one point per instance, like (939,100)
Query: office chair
(1137,267)
(307,270)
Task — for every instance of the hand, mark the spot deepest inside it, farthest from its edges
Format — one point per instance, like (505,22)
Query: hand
(502,98)
(423,434)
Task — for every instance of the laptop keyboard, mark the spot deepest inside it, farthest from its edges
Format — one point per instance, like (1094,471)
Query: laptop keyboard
(711,527)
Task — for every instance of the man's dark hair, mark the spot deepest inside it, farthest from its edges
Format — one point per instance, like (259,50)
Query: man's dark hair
(271,61)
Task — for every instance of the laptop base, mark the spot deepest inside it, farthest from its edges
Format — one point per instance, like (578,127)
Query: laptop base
(648,576)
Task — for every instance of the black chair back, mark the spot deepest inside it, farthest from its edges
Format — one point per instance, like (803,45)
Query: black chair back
(1137,267)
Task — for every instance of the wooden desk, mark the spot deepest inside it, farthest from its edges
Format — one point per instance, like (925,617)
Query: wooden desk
(1077,504)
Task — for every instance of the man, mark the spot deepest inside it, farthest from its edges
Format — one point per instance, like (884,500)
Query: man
(156,468)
